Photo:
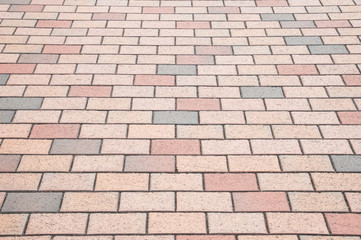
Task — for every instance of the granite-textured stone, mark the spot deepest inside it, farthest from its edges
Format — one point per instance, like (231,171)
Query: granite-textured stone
(347,163)
(3,78)
(177,69)
(6,116)
(328,49)
(32,202)
(72,146)
(261,92)
(20,103)
(175,117)
(303,40)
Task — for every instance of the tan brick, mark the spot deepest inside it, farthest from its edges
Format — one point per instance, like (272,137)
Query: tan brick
(90,202)
(201,164)
(43,163)
(143,201)
(177,223)
(19,181)
(176,182)
(122,182)
(56,223)
(204,202)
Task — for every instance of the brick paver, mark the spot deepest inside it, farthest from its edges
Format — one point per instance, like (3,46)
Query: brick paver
(180,120)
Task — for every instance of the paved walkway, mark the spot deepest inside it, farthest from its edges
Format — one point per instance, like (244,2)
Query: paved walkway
(180,120)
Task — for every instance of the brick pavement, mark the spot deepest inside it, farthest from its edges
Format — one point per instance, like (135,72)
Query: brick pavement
(180,120)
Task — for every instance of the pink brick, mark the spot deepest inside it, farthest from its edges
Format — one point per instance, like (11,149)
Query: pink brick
(89,91)
(297,69)
(175,147)
(55,131)
(213,50)
(17,68)
(196,25)
(223,10)
(61,49)
(190,59)
(109,16)
(352,80)
(272,3)
(53,24)
(154,80)
(158,9)
(275,147)
(198,104)
(261,202)
(333,24)
(344,224)
(350,117)
(230,182)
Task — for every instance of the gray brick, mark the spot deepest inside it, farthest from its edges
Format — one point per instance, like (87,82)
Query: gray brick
(328,49)
(72,146)
(298,24)
(15,2)
(303,40)
(6,116)
(20,103)
(277,17)
(175,117)
(261,92)
(3,79)
(32,202)
(9,163)
(347,163)
(149,164)
(177,69)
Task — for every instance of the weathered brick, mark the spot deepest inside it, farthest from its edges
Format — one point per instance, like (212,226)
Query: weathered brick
(32,202)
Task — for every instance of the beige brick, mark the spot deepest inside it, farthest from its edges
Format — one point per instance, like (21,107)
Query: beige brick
(201,164)
(204,201)
(122,182)
(177,223)
(90,202)
(142,201)
(230,223)
(176,182)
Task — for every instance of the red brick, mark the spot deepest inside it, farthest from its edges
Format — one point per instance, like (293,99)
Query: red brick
(175,147)
(261,202)
(61,49)
(89,91)
(352,80)
(344,224)
(53,24)
(230,182)
(17,68)
(350,117)
(55,131)
(198,104)
(158,9)
(297,69)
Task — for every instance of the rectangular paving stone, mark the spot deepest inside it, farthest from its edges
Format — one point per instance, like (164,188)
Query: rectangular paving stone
(298,24)
(277,17)
(328,49)
(6,116)
(346,163)
(9,163)
(177,69)
(4,78)
(20,103)
(149,164)
(15,2)
(261,92)
(303,40)
(32,202)
(67,146)
(175,117)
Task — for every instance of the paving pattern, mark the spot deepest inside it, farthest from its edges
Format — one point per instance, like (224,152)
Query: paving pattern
(180,120)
